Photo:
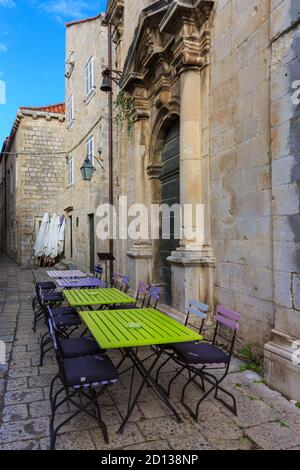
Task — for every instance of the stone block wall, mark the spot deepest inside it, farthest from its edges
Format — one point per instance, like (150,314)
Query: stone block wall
(282,367)
(86,39)
(37,174)
(40,178)
(241,196)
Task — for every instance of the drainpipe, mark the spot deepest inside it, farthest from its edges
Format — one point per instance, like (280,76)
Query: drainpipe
(5,203)
(110,143)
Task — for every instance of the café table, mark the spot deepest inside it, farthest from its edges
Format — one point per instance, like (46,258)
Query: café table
(71,274)
(86,282)
(130,329)
(91,297)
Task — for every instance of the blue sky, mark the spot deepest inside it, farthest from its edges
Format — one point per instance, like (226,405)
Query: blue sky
(32,51)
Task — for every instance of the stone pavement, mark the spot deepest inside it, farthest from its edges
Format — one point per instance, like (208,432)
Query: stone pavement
(265,419)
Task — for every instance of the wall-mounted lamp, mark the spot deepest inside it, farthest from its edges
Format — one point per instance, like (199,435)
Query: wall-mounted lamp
(88,169)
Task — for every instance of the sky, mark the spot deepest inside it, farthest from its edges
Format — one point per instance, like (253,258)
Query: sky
(32,52)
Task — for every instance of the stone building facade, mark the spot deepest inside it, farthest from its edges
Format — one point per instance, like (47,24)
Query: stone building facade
(32,173)
(86,136)
(215,123)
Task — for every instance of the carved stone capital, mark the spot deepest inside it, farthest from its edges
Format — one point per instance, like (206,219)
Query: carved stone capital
(185,19)
(186,53)
(183,11)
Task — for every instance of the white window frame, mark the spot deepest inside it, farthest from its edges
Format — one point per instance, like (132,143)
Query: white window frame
(70,172)
(90,149)
(70,111)
(89,77)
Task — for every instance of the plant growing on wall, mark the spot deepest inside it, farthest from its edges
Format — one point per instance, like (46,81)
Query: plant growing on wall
(124,108)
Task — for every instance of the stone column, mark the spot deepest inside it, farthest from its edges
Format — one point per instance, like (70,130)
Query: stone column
(140,253)
(193,262)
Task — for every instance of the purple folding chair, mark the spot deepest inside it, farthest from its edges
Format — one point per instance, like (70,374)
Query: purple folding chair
(124,287)
(152,297)
(115,280)
(140,299)
(199,359)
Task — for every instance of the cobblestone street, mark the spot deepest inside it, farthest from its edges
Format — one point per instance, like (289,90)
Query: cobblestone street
(266,420)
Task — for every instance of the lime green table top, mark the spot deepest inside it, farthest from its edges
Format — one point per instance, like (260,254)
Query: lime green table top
(114,329)
(104,296)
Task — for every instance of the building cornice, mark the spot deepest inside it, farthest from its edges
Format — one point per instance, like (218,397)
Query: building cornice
(34,114)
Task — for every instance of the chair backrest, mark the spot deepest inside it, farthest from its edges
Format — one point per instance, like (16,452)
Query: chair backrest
(50,315)
(142,292)
(153,296)
(33,277)
(53,335)
(227,319)
(41,297)
(98,271)
(198,312)
(125,280)
(57,346)
(115,279)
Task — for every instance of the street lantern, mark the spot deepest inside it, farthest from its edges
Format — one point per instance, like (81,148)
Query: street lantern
(87,170)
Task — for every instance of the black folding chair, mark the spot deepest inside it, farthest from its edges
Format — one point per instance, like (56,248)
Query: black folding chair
(65,320)
(45,287)
(84,380)
(200,359)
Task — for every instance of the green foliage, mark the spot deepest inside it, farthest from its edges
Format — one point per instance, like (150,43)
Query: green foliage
(124,108)
(252,361)
(298,405)
(262,381)
(282,424)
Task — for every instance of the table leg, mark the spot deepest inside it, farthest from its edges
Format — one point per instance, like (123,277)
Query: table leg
(147,378)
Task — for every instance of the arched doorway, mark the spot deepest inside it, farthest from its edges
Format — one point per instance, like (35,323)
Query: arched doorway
(170,195)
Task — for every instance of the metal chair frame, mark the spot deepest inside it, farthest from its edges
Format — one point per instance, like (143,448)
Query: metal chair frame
(89,392)
(227,319)
(98,272)
(46,343)
(199,311)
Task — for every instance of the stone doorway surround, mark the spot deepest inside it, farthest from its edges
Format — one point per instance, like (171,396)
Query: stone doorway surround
(166,73)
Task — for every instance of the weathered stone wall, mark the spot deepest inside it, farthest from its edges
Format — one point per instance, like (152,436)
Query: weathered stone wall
(248,173)
(36,180)
(241,199)
(236,170)
(282,371)
(86,39)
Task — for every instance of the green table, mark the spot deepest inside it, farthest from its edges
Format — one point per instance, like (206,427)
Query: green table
(116,329)
(90,297)
(129,329)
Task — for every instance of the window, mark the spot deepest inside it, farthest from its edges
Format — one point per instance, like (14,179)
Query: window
(70,111)
(89,73)
(70,171)
(90,149)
